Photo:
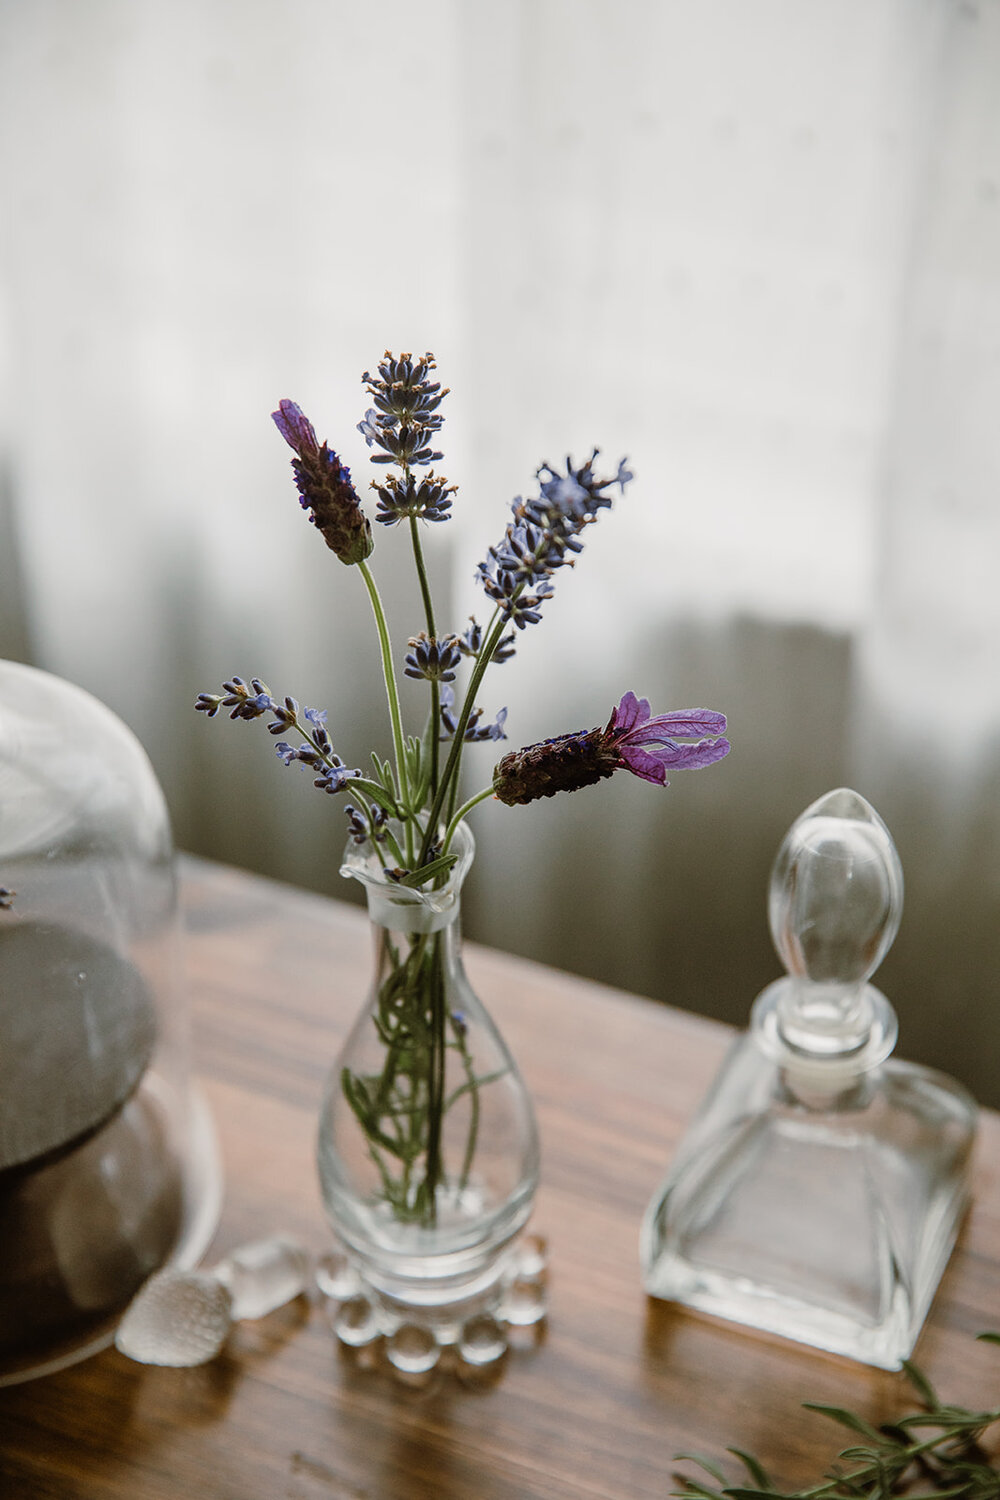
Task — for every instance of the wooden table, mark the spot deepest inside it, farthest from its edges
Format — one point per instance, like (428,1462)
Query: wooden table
(619,1385)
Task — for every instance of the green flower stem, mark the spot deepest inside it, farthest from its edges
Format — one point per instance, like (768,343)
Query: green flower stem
(435,1081)
(494,634)
(449,780)
(391,690)
(466,807)
(425,590)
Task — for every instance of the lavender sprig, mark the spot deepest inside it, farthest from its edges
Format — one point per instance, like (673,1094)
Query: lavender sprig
(254,700)
(545,535)
(405,418)
(402,426)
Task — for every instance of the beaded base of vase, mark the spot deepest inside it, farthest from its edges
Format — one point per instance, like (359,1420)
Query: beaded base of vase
(427,1148)
(471,1338)
(819,1191)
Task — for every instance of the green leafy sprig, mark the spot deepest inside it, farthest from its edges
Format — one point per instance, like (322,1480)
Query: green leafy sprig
(925,1455)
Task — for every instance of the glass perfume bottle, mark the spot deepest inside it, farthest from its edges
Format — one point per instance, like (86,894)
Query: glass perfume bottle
(819,1190)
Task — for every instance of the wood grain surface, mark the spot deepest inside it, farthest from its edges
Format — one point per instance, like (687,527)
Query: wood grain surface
(616,1385)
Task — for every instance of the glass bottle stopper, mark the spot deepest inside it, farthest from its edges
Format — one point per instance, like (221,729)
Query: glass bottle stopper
(835,902)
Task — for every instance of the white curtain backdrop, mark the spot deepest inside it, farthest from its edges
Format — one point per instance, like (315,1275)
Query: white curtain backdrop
(753,244)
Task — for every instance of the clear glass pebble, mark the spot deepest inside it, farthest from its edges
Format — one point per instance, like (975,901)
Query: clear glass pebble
(531,1260)
(178,1318)
(264,1275)
(483,1342)
(525,1301)
(355,1323)
(336,1277)
(413,1350)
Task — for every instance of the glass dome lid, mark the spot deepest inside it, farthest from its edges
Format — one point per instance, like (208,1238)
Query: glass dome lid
(108,1166)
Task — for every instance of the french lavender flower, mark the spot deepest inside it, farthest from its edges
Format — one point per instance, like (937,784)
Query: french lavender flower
(325,488)
(633,740)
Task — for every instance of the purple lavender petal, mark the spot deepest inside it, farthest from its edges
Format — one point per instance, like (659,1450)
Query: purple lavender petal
(630,712)
(690,757)
(682,723)
(641,763)
(652,766)
(296,428)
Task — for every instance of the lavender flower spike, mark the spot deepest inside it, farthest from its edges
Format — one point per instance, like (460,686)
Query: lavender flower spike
(633,740)
(324,486)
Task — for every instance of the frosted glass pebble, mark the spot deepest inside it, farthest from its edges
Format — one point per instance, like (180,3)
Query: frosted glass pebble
(531,1259)
(336,1277)
(483,1341)
(524,1302)
(264,1275)
(413,1350)
(177,1318)
(355,1322)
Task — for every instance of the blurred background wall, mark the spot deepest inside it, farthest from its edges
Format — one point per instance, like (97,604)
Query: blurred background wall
(753,244)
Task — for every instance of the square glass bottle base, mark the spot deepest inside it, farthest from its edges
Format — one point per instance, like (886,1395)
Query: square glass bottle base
(739,1299)
(827,1221)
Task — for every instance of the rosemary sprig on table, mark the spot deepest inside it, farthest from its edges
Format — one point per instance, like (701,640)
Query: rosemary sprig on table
(924,1455)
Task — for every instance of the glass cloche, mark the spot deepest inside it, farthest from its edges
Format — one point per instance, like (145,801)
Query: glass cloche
(108,1163)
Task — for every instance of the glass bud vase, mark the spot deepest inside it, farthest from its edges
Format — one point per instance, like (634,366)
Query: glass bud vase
(427,1149)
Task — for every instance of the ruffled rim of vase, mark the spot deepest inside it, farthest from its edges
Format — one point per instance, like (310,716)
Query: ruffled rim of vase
(361,862)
